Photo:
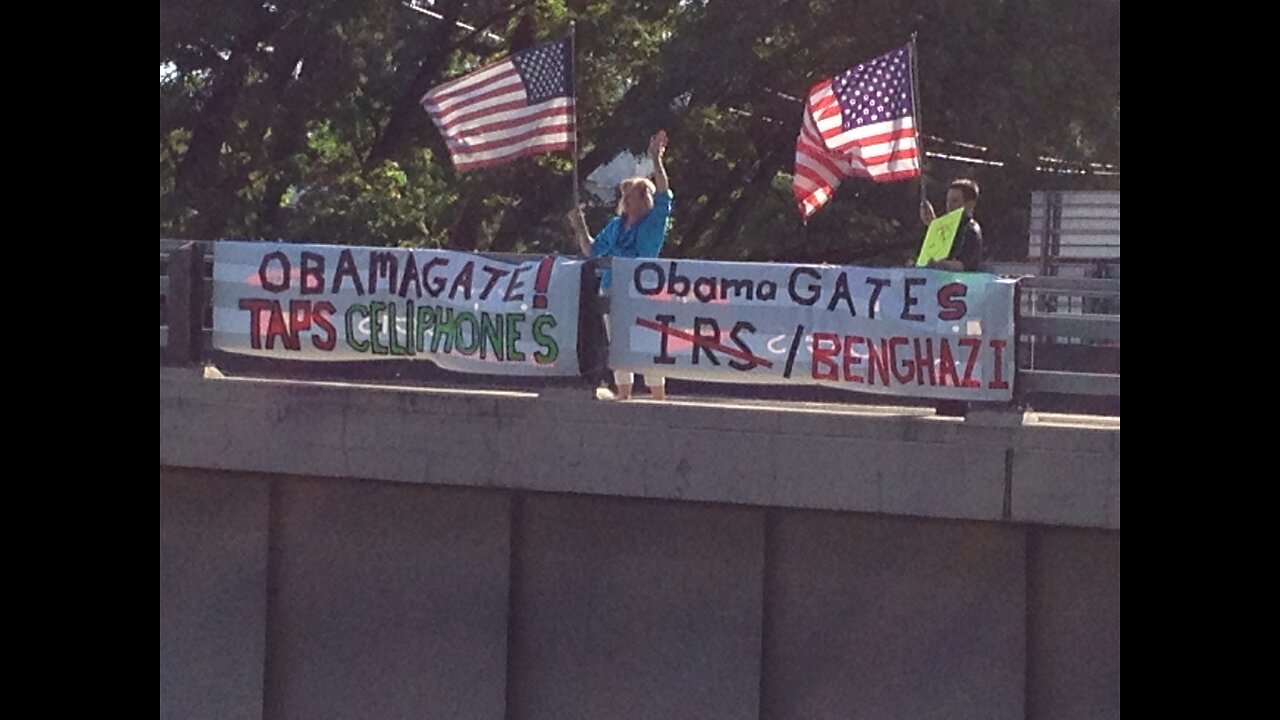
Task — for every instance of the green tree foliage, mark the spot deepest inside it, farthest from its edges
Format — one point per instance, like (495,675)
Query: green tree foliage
(300,120)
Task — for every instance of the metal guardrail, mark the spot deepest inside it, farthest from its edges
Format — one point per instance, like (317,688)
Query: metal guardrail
(1083,327)
(1042,325)
(1088,286)
(186,271)
(1068,383)
(186,316)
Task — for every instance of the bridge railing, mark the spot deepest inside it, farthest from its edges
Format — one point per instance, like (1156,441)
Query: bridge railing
(1042,329)
(1068,327)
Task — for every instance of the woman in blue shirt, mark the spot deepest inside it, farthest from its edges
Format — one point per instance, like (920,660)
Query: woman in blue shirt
(639,230)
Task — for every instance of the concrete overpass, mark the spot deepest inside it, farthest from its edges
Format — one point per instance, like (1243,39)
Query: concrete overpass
(336,550)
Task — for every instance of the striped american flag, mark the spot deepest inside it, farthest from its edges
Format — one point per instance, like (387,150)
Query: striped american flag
(521,105)
(860,123)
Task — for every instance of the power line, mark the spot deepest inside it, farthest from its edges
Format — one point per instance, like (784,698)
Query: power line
(1094,168)
(418,6)
(1041,158)
(1038,168)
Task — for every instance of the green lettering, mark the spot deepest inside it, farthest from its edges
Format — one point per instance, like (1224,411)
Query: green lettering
(444,331)
(491,331)
(377,311)
(470,347)
(426,321)
(550,350)
(513,337)
(397,348)
(357,345)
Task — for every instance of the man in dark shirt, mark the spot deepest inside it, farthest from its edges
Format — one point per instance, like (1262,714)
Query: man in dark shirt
(966,250)
(966,253)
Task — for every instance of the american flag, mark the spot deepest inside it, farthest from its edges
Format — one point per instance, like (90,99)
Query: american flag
(522,105)
(859,123)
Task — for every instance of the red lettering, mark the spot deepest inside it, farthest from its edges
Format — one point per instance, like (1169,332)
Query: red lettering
(256,308)
(299,320)
(948,362)
(950,299)
(320,314)
(277,327)
(902,360)
(975,346)
(825,355)
(852,358)
(924,361)
(907,362)
(997,375)
(878,360)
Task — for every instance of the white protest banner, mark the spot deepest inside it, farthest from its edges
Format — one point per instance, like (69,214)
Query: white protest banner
(463,312)
(895,331)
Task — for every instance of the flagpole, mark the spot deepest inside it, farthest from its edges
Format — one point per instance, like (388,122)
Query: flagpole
(573,64)
(915,112)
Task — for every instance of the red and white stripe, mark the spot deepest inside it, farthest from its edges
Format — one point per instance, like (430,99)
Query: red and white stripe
(826,154)
(486,118)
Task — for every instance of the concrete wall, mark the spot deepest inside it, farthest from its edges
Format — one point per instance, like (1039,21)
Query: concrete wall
(213,594)
(1075,640)
(424,558)
(877,617)
(790,457)
(636,609)
(389,601)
